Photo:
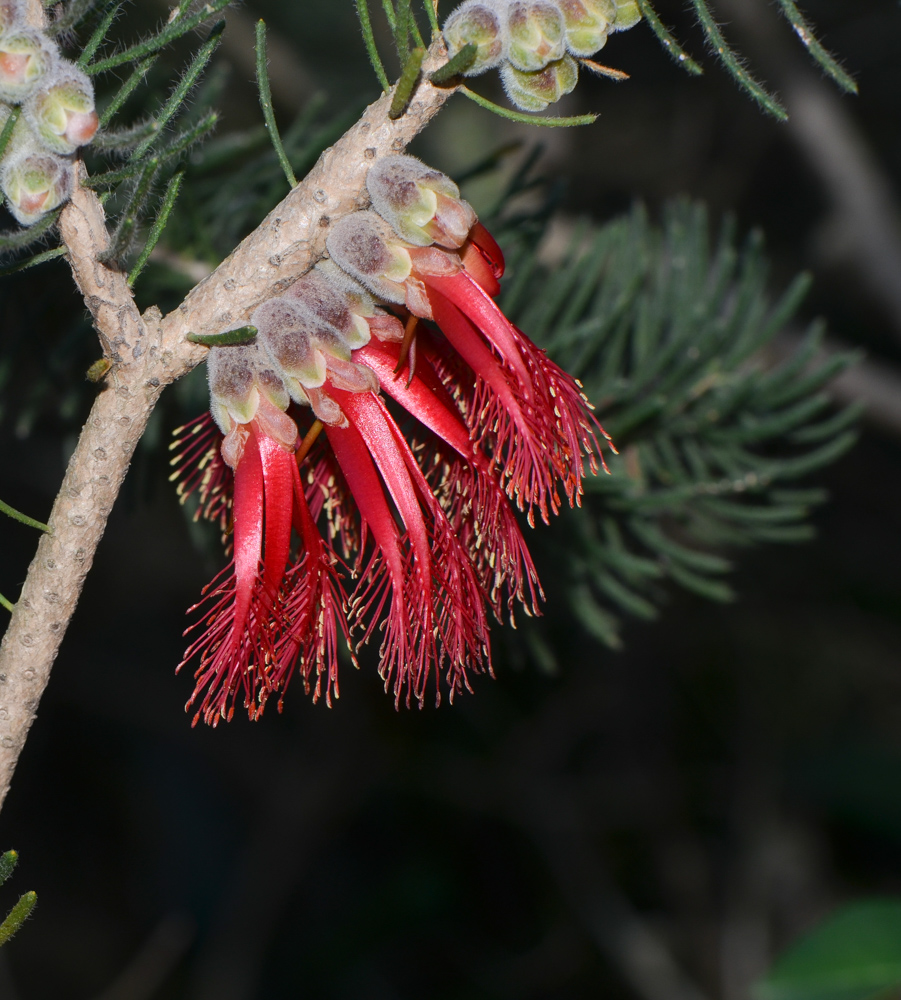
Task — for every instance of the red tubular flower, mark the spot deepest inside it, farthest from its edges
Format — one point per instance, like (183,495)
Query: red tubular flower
(522,409)
(421,519)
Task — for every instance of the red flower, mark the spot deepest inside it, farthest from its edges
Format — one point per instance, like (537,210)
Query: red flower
(419,518)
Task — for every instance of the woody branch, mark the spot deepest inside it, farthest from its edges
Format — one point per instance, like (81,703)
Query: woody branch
(148,352)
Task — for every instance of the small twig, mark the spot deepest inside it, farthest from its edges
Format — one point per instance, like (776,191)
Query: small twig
(156,230)
(813,45)
(23,518)
(734,65)
(431,10)
(371,48)
(458,64)
(243,335)
(266,104)
(518,116)
(177,28)
(600,70)
(406,83)
(668,41)
(17,916)
(94,42)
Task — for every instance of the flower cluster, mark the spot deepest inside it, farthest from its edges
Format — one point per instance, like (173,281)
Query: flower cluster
(57,116)
(536,44)
(425,412)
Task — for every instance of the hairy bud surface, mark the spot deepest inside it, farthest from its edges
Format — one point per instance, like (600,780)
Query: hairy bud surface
(478,23)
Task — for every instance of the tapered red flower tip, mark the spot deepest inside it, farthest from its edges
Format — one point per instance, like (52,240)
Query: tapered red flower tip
(587,24)
(477,23)
(26,57)
(535,91)
(421,204)
(628,14)
(61,110)
(536,32)
(34,183)
(365,246)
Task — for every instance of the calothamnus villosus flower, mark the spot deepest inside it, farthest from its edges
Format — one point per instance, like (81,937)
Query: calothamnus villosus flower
(537,45)
(55,116)
(422,540)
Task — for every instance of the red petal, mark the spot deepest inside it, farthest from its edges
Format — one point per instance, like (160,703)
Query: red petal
(472,301)
(425,397)
(487,245)
(475,264)
(278,466)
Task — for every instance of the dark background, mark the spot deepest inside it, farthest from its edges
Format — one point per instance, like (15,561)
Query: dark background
(666,818)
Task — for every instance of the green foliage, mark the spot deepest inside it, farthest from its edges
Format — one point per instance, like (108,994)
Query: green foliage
(854,955)
(8,605)
(22,910)
(23,518)
(266,104)
(678,345)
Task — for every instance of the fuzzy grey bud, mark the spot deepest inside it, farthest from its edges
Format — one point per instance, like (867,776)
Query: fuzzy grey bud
(34,183)
(421,204)
(536,34)
(587,24)
(26,57)
(326,305)
(478,23)
(61,110)
(283,331)
(535,91)
(365,246)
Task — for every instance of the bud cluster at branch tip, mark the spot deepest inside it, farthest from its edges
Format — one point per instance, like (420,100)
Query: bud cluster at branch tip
(56,116)
(420,507)
(536,44)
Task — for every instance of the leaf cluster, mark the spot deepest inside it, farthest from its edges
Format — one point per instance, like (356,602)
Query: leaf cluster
(716,415)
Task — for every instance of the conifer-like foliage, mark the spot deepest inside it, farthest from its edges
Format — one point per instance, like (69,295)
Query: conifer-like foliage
(717,420)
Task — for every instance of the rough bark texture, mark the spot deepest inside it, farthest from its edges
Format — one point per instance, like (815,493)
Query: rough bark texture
(149,352)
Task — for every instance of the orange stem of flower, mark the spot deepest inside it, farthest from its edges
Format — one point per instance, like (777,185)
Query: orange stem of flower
(407,348)
(309,440)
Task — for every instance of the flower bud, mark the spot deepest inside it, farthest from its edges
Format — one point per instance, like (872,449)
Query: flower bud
(536,34)
(587,24)
(283,331)
(325,304)
(421,204)
(535,91)
(628,14)
(34,183)
(365,246)
(381,324)
(239,377)
(11,14)
(26,56)
(61,111)
(475,22)
(358,298)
